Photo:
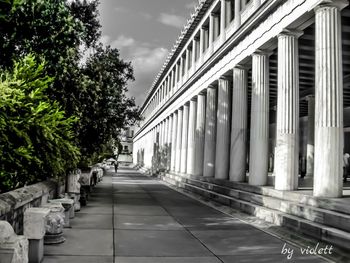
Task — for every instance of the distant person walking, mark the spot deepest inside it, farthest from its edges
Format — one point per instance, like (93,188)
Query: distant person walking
(345,166)
(116,164)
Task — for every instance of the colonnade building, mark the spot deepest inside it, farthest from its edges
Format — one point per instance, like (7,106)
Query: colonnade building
(254,91)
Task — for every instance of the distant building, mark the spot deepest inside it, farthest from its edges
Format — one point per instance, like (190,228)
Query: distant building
(126,140)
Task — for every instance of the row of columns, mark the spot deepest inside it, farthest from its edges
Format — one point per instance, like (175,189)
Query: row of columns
(208,134)
(200,44)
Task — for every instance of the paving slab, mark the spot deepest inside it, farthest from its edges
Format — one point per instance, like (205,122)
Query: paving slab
(146,222)
(269,258)
(212,222)
(84,242)
(92,221)
(157,243)
(77,259)
(167,260)
(127,209)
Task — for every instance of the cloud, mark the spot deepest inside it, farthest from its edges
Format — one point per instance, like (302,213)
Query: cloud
(172,20)
(122,41)
(145,58)
(121,10)
(191,5)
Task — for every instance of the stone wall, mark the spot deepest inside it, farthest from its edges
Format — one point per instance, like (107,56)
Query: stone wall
(14,203)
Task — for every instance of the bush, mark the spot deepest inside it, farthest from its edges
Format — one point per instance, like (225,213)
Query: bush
(36,139)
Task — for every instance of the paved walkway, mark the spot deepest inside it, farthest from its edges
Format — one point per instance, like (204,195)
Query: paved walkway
(134,219)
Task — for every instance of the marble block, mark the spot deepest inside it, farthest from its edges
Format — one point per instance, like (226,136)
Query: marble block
(13,248)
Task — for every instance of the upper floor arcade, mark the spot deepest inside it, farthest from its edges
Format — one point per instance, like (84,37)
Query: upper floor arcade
(206,32)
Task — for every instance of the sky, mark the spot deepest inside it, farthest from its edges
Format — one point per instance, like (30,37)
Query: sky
(144,31)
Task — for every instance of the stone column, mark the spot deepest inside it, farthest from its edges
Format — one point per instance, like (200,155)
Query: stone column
(211,31)
(238,153)
(169,135)
(181,71)
(34,222)
(228,12)
(201,45)
(184,141)
(222,158)
(177,78)
(237,13)
(329,136)
(191,137)
(187,63)
(223,20)
(178,140)
(310,137)
(287,124)
(173,142)
(259,128)
(210,133)
(194,51)
(171,83)
(199,143)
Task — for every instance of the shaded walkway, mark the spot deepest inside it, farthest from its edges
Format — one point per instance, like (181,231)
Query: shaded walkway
(152,223)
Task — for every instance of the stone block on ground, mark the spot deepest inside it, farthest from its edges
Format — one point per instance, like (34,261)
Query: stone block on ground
(54,224)
(13,248)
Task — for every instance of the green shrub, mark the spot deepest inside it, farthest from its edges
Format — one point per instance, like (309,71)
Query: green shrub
(36,139)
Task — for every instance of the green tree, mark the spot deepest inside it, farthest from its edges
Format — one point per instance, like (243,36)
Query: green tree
(35,135)
(60,31)
(107,109)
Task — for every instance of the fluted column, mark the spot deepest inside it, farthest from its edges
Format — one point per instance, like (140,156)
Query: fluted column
(181,71)
(184,141)
(200,126)
(171,83)
(194,52)
(228,12)
(165,143)
(259,128)
(238,153)
(287,130)
(173,142)
(178,140)
(329,141)
(210,133)
(211,31)
(237,13)
(201,45)
(223,20)
(187,63)
(223,129)
(310,136)
(191,137)
(169,136)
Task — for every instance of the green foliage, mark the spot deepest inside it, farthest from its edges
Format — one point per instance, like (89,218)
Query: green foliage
(59,31)
(35,136)
(106,109)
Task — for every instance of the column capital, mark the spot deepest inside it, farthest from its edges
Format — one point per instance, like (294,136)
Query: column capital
(240,67)
(340,4)
(211,86)
(202,93)
(262,52)
(291,32)
(310,97)
(223,77)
